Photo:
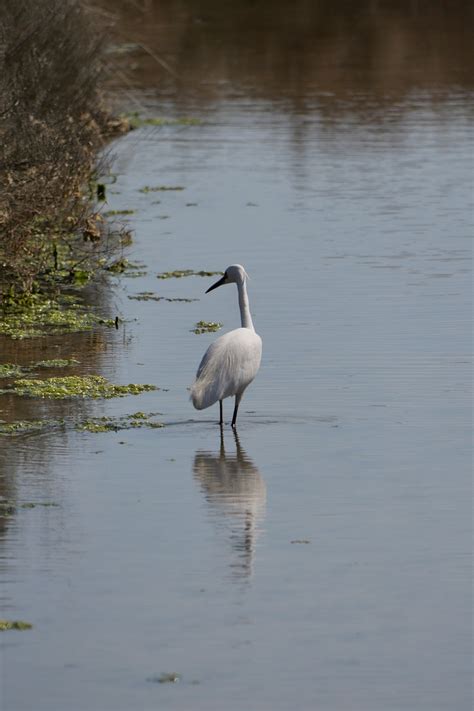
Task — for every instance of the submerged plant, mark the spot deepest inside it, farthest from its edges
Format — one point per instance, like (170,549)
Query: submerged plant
(86,386)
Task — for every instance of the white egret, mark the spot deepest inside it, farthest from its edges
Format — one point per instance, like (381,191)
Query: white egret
(230,363)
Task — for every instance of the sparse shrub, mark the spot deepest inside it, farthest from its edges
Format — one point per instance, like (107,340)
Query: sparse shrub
(51,126)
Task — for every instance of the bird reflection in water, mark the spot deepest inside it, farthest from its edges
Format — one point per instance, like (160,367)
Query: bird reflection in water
(236,494)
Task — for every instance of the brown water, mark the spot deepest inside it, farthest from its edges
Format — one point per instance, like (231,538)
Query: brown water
(321,559)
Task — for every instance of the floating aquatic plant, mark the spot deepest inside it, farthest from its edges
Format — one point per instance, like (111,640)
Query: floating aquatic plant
(171,678)
(160,188)
(14,625)
(8,508)
(41,314)
(136,121)
(19,427)
(112,213)
(206,327)
(11,370)
(151,296)
(179,273)
(123,265)
(55,363)
(128,269)
(115,424)
(85,386)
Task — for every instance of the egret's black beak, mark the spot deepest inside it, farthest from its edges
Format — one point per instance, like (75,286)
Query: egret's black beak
(218,283)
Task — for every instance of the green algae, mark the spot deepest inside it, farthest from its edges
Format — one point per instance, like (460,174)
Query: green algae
(170,678)
(112,213)
(123,265)
(160,188)
(151,296)
(90,386)
(179,273)
(136,420)
(94,424)
(41,314)
(135,120)
(55,363)
(19,427)
(128,269)
(206,327)
(10,370)
(9,508)
(14,625)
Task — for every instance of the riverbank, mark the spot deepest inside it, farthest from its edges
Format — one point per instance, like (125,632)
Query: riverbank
(54,123)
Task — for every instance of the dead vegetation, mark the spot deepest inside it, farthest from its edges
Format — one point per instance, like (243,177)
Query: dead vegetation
(51,127)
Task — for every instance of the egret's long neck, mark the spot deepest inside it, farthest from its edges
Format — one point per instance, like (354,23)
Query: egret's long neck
(245,316)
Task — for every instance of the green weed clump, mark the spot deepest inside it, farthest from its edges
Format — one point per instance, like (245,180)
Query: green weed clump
(151,296)
(160,188)
(14,625)
(10,370)
(206,327)
(115,424)
(82,386)
(20,427)
(34,315)
(180,273)
(135,120)
(8,508)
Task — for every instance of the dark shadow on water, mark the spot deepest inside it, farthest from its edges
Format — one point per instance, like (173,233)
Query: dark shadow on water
(235,492)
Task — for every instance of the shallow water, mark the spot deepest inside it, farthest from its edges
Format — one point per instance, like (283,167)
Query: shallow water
(321,559)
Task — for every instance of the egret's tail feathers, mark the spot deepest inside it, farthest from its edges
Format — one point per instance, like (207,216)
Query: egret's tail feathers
(201,396)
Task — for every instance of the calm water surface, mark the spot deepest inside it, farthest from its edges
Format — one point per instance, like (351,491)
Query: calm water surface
(319,560)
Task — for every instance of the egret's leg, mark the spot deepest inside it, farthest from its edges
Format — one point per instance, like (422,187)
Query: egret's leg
(221,416)
(236,408)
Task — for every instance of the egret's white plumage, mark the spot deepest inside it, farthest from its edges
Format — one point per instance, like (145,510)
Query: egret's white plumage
(230,363)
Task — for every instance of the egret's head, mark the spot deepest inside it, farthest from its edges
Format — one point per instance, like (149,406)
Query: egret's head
(235,274)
